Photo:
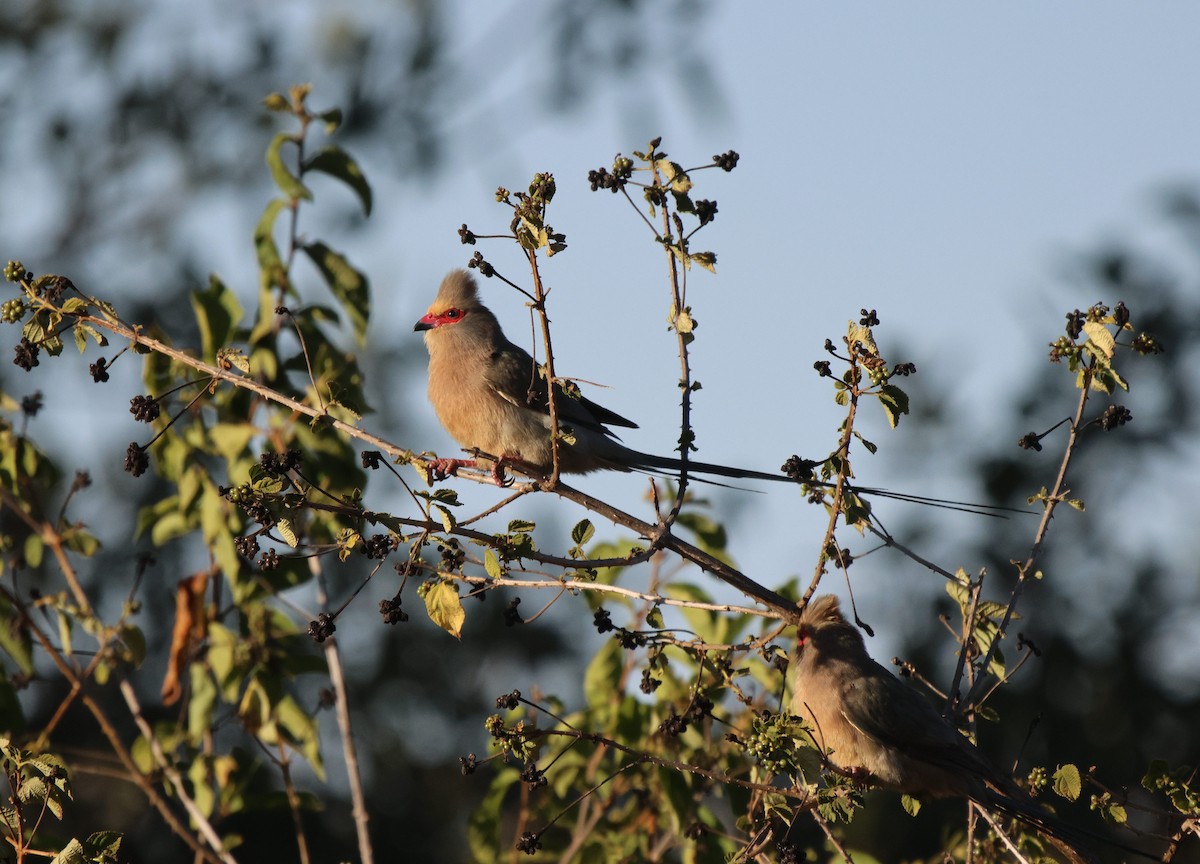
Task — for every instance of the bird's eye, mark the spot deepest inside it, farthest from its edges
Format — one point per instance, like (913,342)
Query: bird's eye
(452,313)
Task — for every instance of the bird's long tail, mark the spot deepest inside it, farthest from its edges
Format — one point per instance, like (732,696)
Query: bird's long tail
(1073,843)
(649,462)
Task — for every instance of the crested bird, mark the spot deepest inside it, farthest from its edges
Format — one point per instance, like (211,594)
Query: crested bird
(492,397)
(871,725)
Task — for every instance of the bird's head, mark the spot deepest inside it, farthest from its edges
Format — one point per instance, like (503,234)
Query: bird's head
(823,630)
(457,300)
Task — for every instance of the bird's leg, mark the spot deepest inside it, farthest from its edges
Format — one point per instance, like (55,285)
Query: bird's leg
(502,479)
(440,469)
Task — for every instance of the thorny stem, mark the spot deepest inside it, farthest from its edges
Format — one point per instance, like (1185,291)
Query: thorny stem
(337,679)
(285,770)
(976,588)
(835,505)
(178,786)
(1027,569)
(539,305)
(805,800)
(832,838)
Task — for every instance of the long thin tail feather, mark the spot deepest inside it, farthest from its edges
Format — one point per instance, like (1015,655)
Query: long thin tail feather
(647,461)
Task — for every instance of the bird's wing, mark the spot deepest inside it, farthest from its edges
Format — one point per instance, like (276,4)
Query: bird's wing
(513,375)
(882,707)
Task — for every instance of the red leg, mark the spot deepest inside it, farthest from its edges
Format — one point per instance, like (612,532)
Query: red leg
(440,469)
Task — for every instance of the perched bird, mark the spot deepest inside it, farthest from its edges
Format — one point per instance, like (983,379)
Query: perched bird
(491,396)
(872,725)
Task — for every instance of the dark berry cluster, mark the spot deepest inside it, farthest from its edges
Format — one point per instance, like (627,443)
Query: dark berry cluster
(533,776)
(509,701)
(477,262)
(726,161)
(511,616)
(706,211)
(377,548)
(247,546)
(26,354)
(276,464)
(649,682)
(452,554)
(602,621)
(673,726)
(601,179)
(799,469)
(529,843)
(144,408)
(1114,416)
(136,460)
(466,236)
(99,370)
(391,611)
(322,628)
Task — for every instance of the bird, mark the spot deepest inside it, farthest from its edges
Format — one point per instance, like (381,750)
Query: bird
(873,727)
(492,397)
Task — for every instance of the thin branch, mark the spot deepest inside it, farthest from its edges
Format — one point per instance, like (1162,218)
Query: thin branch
(337,680)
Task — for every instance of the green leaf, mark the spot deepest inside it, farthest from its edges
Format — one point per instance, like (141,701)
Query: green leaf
(492,564)
(332,119)
(270,264)
(446,517)
(335,162)
(217,312)
(582,532)
(1067,783)
(203,700)
(289,184)
(895,403)
(72,853)
(15,639)
(1100,337)
(484,829)
(445,608)
(912,806)
(284,527)
(103,845)
(602,680)
(349,286)
(707,260)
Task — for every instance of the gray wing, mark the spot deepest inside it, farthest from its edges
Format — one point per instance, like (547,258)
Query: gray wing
(882,707)
(515,377)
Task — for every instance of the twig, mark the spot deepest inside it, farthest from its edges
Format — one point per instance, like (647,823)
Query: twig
(1053,499)
(173,777)
(337,680)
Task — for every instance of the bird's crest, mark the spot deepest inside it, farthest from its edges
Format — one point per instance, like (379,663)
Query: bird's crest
(822,610)
(458,291)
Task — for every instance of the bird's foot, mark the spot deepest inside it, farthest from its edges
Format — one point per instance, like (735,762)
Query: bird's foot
(502,479)
(858,775)
(440,469)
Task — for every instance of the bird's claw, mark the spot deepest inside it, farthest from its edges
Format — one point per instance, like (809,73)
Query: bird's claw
(440,469)
(502,479)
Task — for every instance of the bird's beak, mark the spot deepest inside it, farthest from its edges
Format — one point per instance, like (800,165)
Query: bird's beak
(425,323)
